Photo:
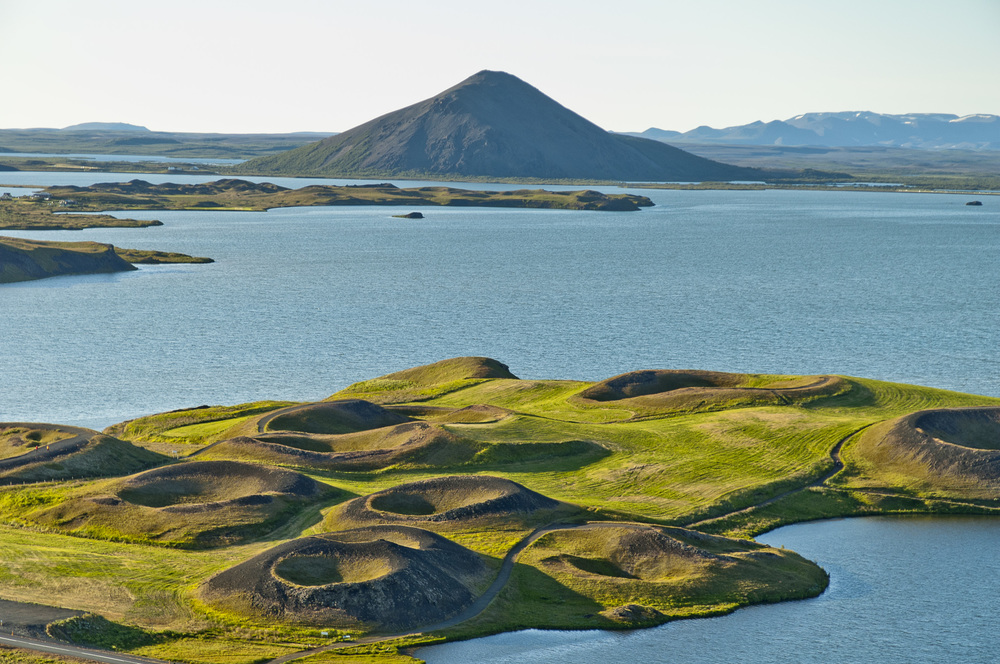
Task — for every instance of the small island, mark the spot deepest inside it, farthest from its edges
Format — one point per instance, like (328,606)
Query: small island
(233,194)
(26,260)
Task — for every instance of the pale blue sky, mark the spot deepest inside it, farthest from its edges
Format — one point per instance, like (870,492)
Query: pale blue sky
(306,65)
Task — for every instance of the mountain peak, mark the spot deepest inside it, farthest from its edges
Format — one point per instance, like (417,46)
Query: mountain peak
(491,124)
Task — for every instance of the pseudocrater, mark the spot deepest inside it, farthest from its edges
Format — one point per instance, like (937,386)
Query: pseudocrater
(698,390)
(379,577)
(193,504)
(449,501)
(959,447)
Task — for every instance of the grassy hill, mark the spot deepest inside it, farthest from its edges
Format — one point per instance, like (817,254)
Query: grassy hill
(25,260)
(498,503)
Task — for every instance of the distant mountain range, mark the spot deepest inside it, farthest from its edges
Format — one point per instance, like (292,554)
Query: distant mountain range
(105,126)
(492,125)
(851,129)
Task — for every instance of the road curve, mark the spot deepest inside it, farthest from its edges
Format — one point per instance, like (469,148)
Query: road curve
(264,421)
(79,437)
(59,648)
(470,612)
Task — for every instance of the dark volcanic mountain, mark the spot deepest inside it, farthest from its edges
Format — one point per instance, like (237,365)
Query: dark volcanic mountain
(492,125)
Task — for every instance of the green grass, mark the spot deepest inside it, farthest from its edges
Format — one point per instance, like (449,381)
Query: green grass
(216,650)
(24,215)
(203,431)
(243,195)
(664,467)
(172,427)
(18,656)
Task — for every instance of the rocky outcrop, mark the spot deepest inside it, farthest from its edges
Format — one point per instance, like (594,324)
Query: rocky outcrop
(24,260)
(383,577)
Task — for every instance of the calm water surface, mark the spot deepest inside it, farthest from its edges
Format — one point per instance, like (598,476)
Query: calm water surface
(304,301)
(901,591)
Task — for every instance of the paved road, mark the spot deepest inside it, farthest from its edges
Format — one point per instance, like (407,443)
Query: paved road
(473,610)
(78,439)
(56,648)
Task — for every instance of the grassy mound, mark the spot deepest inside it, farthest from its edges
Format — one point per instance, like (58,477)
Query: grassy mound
(707,390)
(43,452)
(953,452)
(414,444)
(190,504)
(332,417)
(456,368)
(978,428)
(453,501)
(199,425)
(24,260)
(475,414)
(16,440)
(381,578)
(428,380)
(640,575)
(207,482)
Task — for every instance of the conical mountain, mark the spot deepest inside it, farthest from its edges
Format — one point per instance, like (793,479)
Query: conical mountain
(492,124)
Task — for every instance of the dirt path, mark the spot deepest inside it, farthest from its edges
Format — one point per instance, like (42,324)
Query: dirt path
(478,606)
(264,421)
(838,465)
(470,612)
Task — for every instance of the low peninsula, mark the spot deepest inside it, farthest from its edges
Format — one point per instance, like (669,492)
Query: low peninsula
(39,214)
(26,260)
(454,500)
(232,194)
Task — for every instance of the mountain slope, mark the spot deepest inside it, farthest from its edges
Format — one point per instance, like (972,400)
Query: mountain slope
(491,125)
(851,129)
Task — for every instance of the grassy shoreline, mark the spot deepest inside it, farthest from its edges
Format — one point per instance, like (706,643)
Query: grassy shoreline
(693,463)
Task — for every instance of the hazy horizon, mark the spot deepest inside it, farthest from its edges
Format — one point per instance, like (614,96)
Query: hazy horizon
(336,131)
(253,67)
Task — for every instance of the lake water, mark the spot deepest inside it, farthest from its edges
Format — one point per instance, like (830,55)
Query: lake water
(901,591)
(302,302)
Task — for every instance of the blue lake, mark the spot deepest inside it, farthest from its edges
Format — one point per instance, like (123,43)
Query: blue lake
(302,302)
(901,591)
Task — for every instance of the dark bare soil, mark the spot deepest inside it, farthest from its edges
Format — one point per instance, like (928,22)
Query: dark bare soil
(25,619)
(335,417)
(961,442)
(382,577)
(446,500)
(417,443)
(687,390)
